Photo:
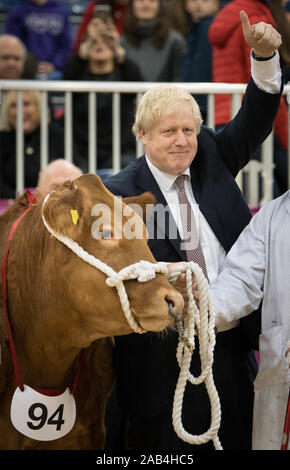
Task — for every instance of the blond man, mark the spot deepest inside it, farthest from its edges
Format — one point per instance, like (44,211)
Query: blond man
(168,125)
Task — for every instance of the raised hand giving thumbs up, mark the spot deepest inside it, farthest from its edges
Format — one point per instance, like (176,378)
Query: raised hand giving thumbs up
(261,37)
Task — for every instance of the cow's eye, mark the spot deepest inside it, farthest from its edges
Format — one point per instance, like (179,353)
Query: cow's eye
(106,234)
(100,231)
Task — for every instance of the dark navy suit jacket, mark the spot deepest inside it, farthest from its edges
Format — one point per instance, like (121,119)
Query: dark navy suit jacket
(147,369)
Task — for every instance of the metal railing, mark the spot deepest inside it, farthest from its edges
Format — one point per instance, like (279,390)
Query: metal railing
(254,170)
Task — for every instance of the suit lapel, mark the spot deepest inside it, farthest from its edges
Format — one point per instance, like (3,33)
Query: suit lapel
(204,194)
(146,182)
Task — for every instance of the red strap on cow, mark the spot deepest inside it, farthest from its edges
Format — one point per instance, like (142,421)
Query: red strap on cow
(31,199)
(4,292)
(286,427)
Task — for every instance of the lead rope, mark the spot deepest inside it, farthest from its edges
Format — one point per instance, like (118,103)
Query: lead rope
(202,323)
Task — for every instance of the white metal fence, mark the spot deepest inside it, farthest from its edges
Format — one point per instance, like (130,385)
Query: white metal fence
(254,170)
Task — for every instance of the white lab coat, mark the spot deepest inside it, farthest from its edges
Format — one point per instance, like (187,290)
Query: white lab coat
(258,267)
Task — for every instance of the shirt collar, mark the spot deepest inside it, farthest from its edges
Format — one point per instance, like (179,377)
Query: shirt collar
(164,180)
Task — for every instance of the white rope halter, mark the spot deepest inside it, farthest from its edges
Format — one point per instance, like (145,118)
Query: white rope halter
(197,321)
(201,322)
(143,271)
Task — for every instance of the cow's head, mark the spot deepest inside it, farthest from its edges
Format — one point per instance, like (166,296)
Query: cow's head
(71,296)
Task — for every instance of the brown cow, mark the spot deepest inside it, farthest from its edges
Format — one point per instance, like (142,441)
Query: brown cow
(59,304)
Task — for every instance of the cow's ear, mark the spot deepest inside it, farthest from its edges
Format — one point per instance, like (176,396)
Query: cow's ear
(64,209)
(143,204)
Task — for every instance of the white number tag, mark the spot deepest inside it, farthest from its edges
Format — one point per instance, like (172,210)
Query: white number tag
(42,417)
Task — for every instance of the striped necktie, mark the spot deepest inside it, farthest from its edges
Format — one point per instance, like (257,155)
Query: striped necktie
(191,238)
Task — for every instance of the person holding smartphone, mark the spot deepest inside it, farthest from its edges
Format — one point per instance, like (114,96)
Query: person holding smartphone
(101,57)
(118,13)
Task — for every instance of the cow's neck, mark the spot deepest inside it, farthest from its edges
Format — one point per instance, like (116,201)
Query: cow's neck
(45,368)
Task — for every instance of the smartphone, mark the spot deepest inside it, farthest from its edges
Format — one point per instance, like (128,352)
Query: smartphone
(103,12)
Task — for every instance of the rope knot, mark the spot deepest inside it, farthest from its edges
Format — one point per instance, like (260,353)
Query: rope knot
(144,271)
(114,280)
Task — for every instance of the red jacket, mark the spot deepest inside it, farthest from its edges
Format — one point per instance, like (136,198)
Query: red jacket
(231,57)
(118,17)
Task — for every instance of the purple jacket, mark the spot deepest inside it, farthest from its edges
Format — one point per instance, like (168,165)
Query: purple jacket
(44,29)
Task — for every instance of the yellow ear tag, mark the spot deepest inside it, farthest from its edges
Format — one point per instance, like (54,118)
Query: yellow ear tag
(74,216)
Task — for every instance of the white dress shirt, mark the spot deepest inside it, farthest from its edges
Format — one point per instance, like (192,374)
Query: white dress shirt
(214,254)
(267,77)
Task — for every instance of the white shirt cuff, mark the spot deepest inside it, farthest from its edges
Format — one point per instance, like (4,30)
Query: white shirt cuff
(267,74)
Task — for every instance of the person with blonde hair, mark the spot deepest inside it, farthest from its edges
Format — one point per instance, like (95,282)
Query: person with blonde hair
(32,100)
(161,101)
(31,103)
(190,167)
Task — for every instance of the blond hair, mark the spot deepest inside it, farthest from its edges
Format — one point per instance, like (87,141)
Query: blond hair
(163,100)
(11,97)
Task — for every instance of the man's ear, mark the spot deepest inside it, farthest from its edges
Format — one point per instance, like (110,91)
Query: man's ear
(142,136)
(64,209)
(143,204)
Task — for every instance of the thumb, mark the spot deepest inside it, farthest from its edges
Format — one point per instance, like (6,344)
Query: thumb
(246,25)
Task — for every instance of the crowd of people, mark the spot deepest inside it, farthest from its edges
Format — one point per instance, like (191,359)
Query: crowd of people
(130,40)
(173,41)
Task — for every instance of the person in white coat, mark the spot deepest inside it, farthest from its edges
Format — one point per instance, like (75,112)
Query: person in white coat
(258,267)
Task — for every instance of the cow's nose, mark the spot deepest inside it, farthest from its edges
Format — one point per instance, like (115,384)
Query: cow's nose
(175,306)
(176,316)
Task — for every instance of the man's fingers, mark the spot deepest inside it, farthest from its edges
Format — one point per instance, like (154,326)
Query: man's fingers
(261,37)
(265,35)
(260,31)
(175,267)
(246,25)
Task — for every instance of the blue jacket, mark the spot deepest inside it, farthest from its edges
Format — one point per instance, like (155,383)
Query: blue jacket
(44,29)
(197,64)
